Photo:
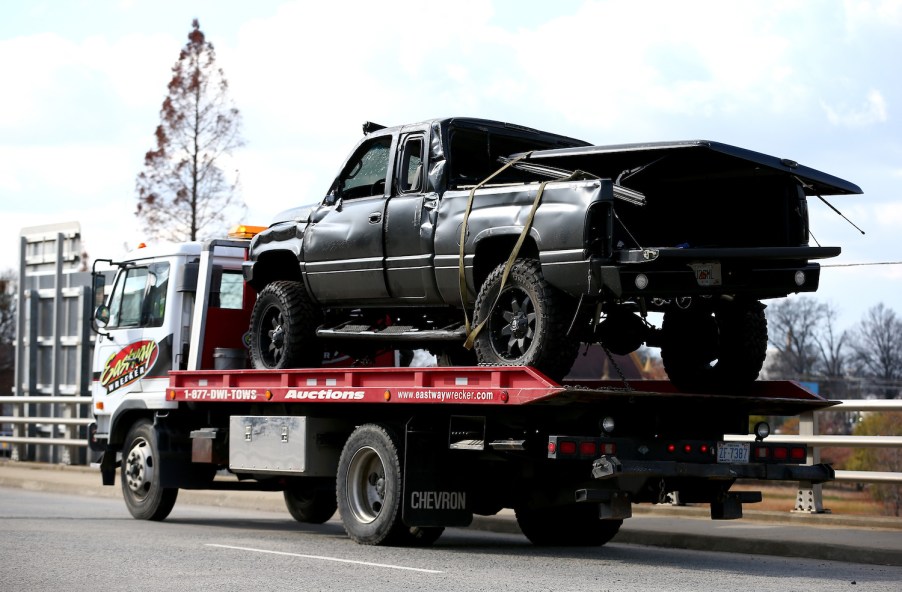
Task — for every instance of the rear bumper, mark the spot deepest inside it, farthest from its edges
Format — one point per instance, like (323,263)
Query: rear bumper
(611,468)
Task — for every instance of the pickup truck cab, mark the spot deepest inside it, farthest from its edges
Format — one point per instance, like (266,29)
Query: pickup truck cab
(492,243)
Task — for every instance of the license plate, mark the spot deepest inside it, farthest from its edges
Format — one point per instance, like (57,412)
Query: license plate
(707,274)
(733,452)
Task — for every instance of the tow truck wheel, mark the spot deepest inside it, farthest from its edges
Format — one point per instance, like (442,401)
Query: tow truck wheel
(575,525)
(310,504)
(369,491)
(704,351)
(140,475)
(283,328)
(527,324)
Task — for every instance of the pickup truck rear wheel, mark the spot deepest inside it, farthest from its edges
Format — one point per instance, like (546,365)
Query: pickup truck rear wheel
(369,491)
(283,328)
(574,525)
(145,498)
(311,504)
(703,350)
(528,325)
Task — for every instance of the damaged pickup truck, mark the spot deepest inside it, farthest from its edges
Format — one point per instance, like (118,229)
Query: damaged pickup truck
(492,243)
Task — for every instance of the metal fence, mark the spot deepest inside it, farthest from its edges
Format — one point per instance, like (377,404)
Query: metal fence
(56,424)
(810,496)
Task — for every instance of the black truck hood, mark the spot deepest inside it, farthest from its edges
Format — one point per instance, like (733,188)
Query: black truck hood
(636,165)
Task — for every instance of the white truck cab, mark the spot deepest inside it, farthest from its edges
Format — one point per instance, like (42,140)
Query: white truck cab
(149,323)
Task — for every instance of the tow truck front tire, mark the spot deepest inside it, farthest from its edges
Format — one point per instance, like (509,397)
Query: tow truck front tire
(140,475)
(369,491)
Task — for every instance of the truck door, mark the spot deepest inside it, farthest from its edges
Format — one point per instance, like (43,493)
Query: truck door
(410,225)
(137,346)
(343,250)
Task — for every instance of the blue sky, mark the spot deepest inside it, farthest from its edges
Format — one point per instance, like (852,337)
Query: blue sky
(813,81)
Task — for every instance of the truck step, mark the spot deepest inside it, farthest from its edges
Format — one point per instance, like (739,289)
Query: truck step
(392,333)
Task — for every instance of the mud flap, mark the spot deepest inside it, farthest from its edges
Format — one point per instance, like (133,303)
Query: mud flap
(433,495)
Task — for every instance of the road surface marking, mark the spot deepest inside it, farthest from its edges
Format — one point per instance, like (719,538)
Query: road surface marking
(323,558)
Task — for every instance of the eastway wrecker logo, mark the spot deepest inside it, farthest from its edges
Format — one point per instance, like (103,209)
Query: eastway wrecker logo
(128,365)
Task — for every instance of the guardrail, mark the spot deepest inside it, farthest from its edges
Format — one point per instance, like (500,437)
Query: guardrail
(54,412)
(810,497)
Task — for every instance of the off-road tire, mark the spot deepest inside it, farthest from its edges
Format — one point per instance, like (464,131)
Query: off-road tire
(314,504)
(370,490)
(574,525)
(703,351)
(528,325)
(283,328)
(140,475)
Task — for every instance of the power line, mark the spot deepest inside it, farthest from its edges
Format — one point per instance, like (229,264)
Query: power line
(862,264)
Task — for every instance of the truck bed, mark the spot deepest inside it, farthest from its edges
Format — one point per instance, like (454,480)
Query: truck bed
(474,385)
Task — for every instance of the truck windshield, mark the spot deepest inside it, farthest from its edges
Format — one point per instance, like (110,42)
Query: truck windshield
(139,297)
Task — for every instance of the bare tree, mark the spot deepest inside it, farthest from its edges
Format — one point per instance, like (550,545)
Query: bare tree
(876,345)
(183,191)
(793,325)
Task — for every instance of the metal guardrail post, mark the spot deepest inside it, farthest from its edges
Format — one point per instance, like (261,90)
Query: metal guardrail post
(810,499)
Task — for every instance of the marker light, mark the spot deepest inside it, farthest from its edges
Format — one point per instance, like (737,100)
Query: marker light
(800,278)
(245,231)
(607,424)
(641,281)
(762,430)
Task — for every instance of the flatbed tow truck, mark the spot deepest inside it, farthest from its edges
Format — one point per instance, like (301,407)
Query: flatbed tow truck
(400,452)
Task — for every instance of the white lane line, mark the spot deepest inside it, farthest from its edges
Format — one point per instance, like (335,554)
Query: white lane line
(323,558)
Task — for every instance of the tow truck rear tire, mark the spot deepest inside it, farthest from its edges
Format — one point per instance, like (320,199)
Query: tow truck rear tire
(140,475)
(574,525)
(283,328)
(702,352)
(311,504)
(527,324)
(370,491)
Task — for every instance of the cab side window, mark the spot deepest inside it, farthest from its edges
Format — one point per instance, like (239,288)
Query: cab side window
(366,172)
(139,297)
(410,173)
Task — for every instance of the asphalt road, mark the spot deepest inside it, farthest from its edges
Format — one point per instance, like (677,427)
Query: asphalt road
(74,542)
(876,541)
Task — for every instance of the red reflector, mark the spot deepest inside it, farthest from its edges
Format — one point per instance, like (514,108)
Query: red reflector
(609,448)
(781,453)
(552,448)
(704,448)
(588,448)
(687,448)
(798,453)
(671,448)
(567,447)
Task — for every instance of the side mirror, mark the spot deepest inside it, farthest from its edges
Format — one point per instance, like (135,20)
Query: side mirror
(102,316)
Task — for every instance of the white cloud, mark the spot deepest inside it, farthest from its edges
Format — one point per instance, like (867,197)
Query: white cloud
(871,111)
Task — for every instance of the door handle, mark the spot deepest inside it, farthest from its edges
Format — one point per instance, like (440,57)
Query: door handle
(375,217)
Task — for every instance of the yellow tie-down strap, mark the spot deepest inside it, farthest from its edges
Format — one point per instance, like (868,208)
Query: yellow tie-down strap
(474,331)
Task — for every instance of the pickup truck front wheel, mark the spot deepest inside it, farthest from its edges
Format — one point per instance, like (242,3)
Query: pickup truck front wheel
(704,351)
(283,328)
(527,324)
